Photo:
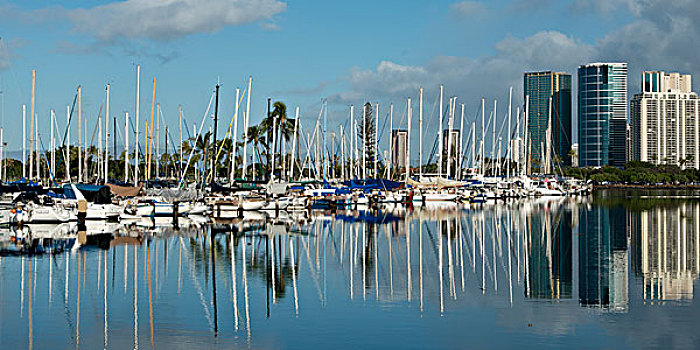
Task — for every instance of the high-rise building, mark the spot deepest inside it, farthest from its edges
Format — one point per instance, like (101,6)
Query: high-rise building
(602,114)
(399,147)
(543,87)
(666,121)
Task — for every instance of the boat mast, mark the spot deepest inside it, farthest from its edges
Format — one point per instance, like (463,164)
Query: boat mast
(166,173)
(461,145)
(408,140)
(440,145)
(36,147)
(342,153)
(106,166)
(150,133)
(24,141)
(274,143)
(510,152)
(179,126)
(157,142)
(353,141)
(67,150)
(548,140)
(136,138)
(234,137)
(294,144)
(364,141)
(52,145)
(483,135)
(216,125)
(31,126)
(473,160)
(376,142)
(493,140)
(126,147)
(391,140)
(526,143)
(324,150)
(420,135)
(450,121)
(114,139)
(245,129)
(99,162)
(85,154)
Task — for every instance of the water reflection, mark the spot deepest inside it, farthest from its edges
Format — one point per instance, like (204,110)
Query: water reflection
(244,281)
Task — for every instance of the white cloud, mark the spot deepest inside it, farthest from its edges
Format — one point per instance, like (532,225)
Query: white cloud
(662,36)
(470,78)
(610,6)
(467,8)
(164,20)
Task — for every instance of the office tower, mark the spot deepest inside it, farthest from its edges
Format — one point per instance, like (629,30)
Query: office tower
(602,114)
(399,147)
(541,87)
(665,120)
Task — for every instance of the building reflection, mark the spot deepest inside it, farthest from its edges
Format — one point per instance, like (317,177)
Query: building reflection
(666,241)
(549,252)
(603,258)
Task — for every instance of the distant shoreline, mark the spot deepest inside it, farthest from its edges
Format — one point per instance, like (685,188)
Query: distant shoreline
(647,187)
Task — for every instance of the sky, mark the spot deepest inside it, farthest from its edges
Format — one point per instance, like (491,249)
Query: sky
(348,52)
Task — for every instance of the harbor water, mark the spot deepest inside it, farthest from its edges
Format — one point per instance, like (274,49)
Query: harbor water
(615,269)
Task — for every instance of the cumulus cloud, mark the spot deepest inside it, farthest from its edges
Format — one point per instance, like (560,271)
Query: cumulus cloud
(661,36)
(164,20)
(470,78)
(467,8)
(610,6)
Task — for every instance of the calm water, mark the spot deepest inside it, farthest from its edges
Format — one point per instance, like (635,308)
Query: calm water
(599,272)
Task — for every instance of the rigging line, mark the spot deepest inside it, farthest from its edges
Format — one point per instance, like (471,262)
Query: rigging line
(70,117)
(189,158)
(381,133)
(92,139)
(433,151)
(138,144)
(221,147)
(45,157)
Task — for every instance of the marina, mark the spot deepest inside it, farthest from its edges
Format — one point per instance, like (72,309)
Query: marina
(549,271)
(272,174)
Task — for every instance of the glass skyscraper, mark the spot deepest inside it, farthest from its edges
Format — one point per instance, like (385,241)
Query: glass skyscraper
(602,114)
(540,87)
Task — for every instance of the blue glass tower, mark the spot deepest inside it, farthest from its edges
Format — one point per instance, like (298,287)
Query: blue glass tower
(541,87)
(602,114)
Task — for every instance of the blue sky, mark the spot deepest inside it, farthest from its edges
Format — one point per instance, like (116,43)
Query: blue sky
(299,52)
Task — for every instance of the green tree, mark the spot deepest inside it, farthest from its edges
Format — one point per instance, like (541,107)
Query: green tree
(366,131)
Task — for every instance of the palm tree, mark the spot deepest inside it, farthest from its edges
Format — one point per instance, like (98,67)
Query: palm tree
(278,122)
(572,155)
(256,135)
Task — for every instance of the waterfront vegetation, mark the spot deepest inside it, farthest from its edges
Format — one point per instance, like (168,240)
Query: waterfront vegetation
(636,173)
